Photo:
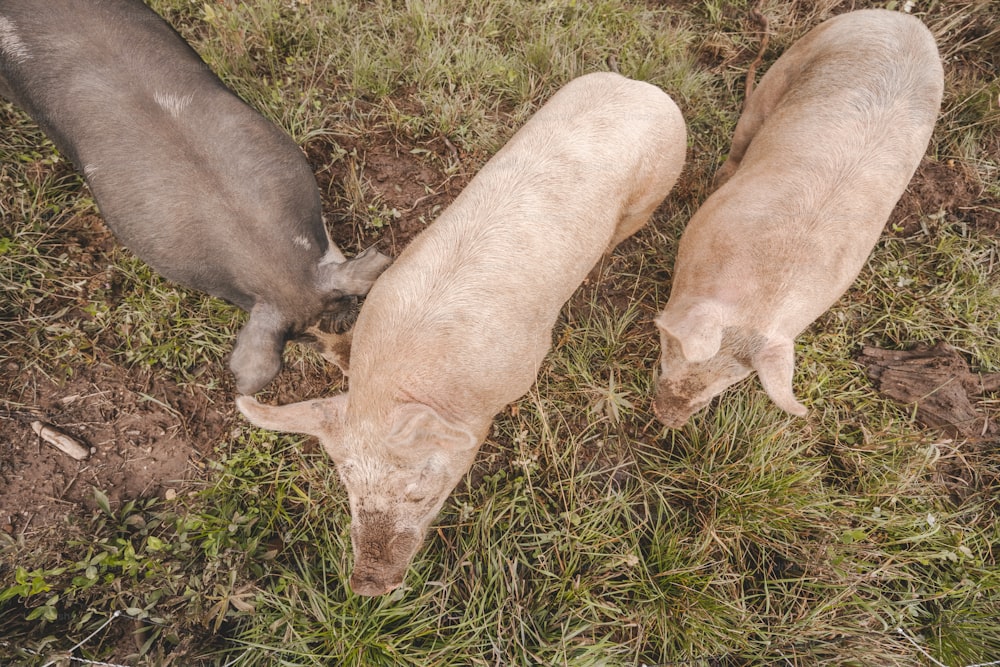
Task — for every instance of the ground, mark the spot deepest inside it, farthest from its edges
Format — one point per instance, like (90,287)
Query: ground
(584,529)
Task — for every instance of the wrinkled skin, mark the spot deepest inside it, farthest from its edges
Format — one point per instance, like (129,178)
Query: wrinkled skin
(822,153)
(459,325)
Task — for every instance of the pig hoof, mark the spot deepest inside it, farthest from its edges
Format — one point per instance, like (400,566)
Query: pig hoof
(253,366)
(252,377)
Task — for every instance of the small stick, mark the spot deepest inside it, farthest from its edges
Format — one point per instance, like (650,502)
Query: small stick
(60,441)
(452,149)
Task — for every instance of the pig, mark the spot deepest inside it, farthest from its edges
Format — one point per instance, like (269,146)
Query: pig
(193,180)
(458,326)
(823,151)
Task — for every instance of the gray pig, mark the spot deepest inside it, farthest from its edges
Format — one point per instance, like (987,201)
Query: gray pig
(822,153)
(458,326)
(189,177)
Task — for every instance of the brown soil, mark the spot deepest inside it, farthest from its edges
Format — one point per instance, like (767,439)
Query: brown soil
(409,183)
(146,436)
(945,187)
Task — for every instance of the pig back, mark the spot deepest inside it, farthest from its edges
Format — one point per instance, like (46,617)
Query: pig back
(828,142)
(859,94)
(189,177)
(463,318)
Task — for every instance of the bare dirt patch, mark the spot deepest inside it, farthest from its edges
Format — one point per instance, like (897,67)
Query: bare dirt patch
(146,436)
(400,177)
(945,187)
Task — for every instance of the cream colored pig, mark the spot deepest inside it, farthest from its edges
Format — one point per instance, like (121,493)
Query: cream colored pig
(822,153)
(458,326)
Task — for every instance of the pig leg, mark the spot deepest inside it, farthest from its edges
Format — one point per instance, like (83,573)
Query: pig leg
(257,355)
(627,226)
(762,101)
(641,206)
(5,91)
(631,223)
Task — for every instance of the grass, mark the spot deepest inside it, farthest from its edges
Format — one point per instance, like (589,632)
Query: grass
(585,534)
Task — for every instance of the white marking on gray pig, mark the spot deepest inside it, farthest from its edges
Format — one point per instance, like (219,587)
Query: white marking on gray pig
(171,103)
(823,151)
(459,325)
(302,242)
(89,170)
(10,44)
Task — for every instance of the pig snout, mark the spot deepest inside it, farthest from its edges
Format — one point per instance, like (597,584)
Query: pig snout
(372,584)
(672,410)
(381,559)
(677,398)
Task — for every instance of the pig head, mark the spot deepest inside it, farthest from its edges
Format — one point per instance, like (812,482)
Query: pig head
(823,151)
(396,481)
(702,355)
(285,310)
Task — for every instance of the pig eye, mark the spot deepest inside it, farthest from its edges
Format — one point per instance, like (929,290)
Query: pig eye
(414,493)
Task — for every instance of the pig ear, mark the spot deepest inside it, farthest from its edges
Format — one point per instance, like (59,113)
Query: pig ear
(321,417)
(256,357)
(697,330)
(775,365)
(352,277)
(418,427)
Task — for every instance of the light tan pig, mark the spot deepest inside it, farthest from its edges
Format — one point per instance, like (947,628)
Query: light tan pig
(458,326)
(823,151)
